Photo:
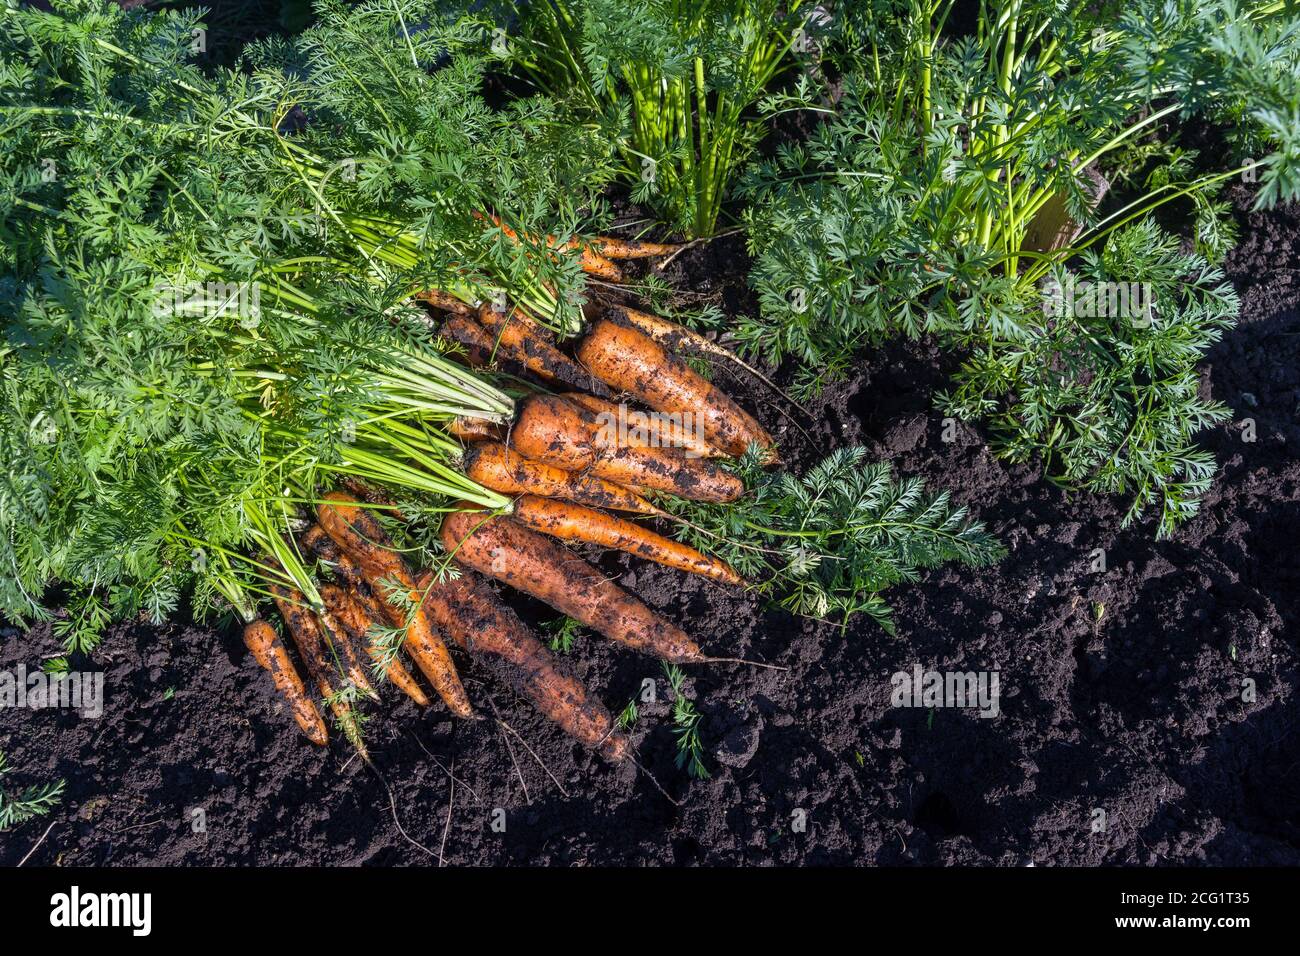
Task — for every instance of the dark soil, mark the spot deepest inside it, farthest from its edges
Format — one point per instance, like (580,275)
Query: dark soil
(1122,690)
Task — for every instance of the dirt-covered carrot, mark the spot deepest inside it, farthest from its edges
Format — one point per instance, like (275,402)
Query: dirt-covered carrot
(271,655)
(628,360)
(638,429)
(445,301)
(557,432)
(521,340)
(309,639)
(359,534)
(614,248)
(502,469)
(475,618)
(532,563)
(315,540)
(348,650)
(480,350)
(356,613)
(570,522)
(677,340)
(591,261)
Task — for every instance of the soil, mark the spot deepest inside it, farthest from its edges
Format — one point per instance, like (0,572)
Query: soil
(1148,710)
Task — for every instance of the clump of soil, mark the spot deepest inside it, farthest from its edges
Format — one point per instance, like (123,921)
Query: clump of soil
(1147,716)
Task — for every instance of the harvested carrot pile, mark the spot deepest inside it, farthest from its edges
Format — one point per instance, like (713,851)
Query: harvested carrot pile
(341,383)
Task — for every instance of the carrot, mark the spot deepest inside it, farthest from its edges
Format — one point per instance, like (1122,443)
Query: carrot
(445,301)
(357,613)
(480,349)
(310,641)
(271,655)
(613,248)
(502,469)
(639,429)
(474,617)
(591,261)
(473,429)
(357,532)
(570,522)
(315,540)
(557,432)
(628,360)
(350,651)
(677,339)
(523,342)
(529,562)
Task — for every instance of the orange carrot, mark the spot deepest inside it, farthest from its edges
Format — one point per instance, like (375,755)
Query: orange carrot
(310,641)
(445,301)
(677,339)
(502,469)
(529,562)
(348,650)
(557,432)
(638,429)
(357,613)
(570,522)
(522,341)
(479,347)
(315,540)
(468,611)
(613,248)
(630,361)
(271,655)
(360,536)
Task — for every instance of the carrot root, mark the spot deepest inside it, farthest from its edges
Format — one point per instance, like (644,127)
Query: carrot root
(357,613)
(556,432)
(504,470)
(272,656)
(628,360)
(530,562)
(466,610)
(359,534)
(570,522)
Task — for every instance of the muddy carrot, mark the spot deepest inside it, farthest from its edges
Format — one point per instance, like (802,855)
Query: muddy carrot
(502,469)
(357,614)
(570,522)
(521,340)
(677,339)
(532,563)
(556,432)
(613,248)
(628,360)
(271,655)
(480,348)
(315,540)
(359,534)
(348,650)
(445,301)
(310,641)
(475,618)
(638,429)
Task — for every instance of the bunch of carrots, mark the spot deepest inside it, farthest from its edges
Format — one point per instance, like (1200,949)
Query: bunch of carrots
(566,468)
